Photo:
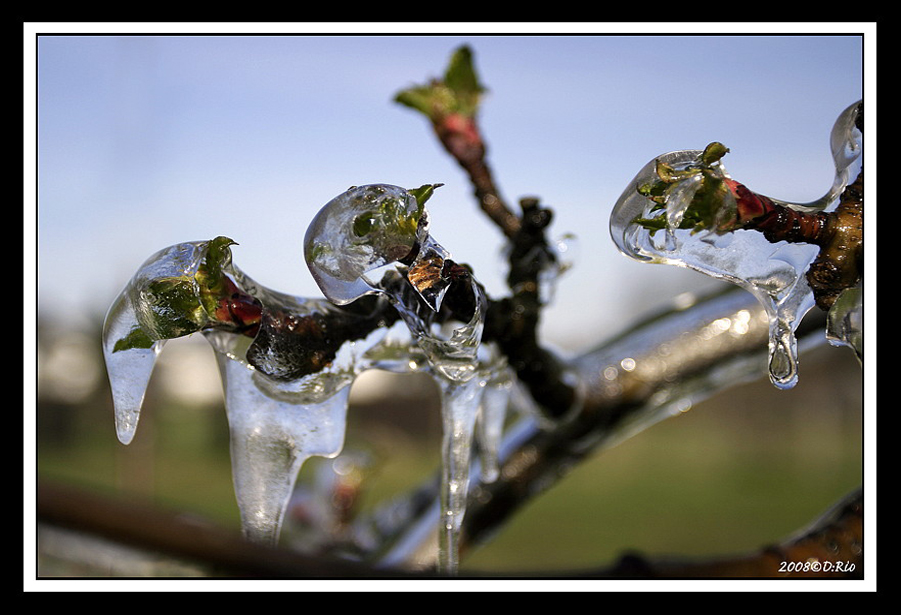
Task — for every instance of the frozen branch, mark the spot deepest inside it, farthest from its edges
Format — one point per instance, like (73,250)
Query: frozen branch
(655,371)
(575,407)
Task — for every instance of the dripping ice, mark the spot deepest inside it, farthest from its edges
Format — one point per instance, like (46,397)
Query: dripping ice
(773,272)
(352,238)
(274,425)
(277,421)
(129,370)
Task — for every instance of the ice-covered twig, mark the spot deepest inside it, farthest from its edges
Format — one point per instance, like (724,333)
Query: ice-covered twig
(513,321)
(656,370)
(286,362)
(375,240)
(684,209)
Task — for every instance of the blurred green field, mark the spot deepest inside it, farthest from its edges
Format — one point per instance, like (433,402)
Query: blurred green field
(737,472)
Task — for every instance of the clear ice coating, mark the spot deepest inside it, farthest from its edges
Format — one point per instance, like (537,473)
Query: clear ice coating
(272,434)
(367,228)
(497,382)
(678,211)
(279,411)
(357,232)
(286,385)
(844,323)
(129,369)
(162,301)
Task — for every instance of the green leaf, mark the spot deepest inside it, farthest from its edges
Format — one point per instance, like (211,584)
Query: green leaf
(462,80)
(459,92)
(176,307)
(210,275)
(706,210)
(392,217)
(651,224)
(714,152)
(181,305)
(422,99)
(136,338)
(424,193)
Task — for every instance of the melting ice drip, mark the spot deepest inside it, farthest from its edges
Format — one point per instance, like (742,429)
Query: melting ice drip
(677,211)
(276,420)
(285,395)
(348,244)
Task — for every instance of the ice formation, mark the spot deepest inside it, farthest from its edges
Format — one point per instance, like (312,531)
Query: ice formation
(353,238)
(287,362)
(279,411)
(679,210)
(162,301)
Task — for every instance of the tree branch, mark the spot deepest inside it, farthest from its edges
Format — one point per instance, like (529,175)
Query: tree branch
(673,358)
(220,552)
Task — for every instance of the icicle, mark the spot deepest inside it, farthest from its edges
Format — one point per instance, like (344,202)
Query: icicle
(285,401)
(129,369)
(680,210)
(498,389)
(772,272)
(359,233)
(454,360)
(844,326)
(286,389)
(272,434)
(162,301)
(459,410)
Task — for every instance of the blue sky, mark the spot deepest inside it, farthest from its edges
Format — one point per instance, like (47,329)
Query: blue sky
(144,141)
